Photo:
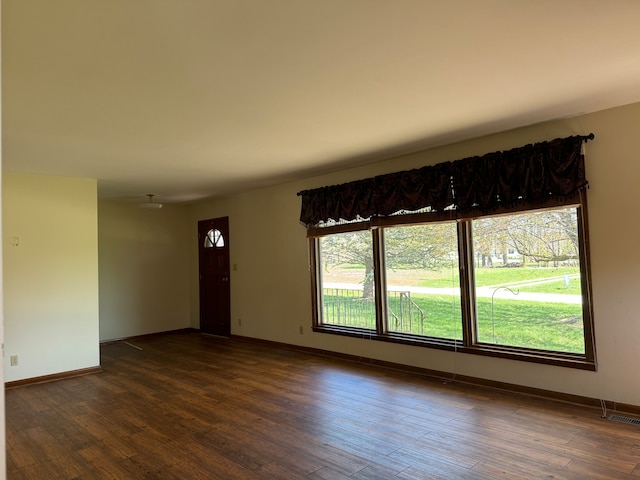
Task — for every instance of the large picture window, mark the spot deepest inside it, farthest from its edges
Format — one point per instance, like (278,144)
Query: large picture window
(473,273)
(511,285)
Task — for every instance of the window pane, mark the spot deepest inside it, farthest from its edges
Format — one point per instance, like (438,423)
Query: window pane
(527,275)
(218,238)
(214,238)
(423,284)
(346,278)
(208,240)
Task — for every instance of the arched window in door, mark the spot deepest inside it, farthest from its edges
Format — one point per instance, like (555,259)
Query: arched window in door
(214,238)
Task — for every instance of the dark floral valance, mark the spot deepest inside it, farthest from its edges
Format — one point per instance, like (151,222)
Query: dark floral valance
(527,175)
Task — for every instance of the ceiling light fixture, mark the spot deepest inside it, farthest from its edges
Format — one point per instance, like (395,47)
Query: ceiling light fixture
(151,204)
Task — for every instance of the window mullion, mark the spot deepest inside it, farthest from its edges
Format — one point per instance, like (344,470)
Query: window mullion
(380,281)
(467,284)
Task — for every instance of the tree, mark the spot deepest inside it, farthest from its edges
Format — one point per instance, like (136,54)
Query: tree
(546,236)
(350,248)
(427,246)
(543,236)
(491,238)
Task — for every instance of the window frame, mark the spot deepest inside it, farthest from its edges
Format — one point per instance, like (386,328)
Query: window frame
(469,343)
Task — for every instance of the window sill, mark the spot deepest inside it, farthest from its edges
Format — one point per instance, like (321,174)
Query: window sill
(560,359)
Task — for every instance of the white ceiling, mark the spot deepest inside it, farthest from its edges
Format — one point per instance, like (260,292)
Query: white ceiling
(194,98)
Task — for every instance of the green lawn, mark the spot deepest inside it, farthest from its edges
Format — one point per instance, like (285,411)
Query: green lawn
(484,277)
(557,286)
(500,276)
(546,326)
(539,325)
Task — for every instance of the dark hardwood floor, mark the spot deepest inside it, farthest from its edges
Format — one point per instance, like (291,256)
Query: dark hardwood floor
(188,406)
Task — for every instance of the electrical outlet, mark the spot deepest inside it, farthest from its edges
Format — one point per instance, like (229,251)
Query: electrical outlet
(301,330)
(239,322)
(13,360)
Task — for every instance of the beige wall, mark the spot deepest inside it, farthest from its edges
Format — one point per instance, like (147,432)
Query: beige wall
(271,287)
(3,453)
(144,269)
(50,249)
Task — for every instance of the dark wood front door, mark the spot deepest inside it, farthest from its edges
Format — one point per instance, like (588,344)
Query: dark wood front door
(215,287)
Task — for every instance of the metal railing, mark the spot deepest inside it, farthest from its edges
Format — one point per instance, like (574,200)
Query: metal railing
(347,307)
(407,316)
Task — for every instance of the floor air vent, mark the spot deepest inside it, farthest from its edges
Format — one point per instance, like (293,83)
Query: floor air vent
(623,419)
